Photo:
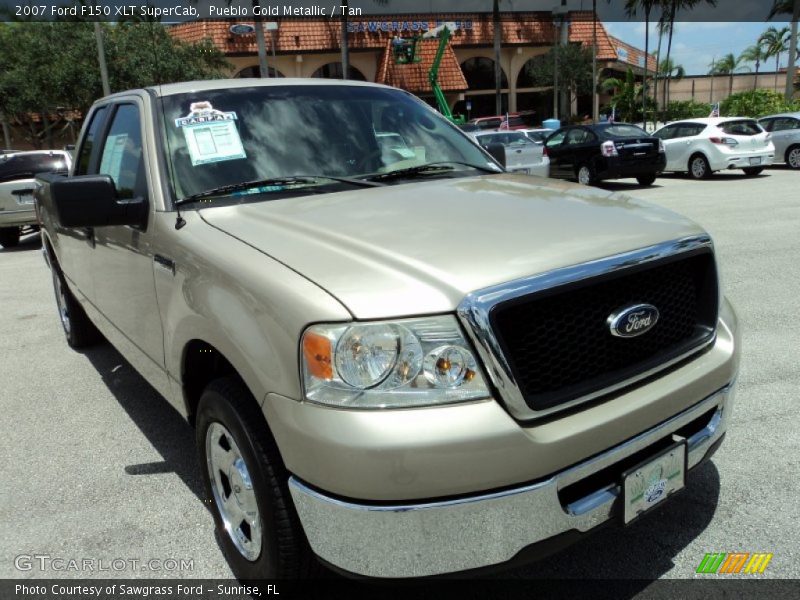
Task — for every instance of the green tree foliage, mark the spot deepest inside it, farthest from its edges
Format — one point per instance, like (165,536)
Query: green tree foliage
(687,109)
(729,65)
(574,69)
(51,68)
(627,97)
(756,103)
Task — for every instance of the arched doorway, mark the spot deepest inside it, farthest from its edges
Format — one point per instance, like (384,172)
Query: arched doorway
(334,71)
(255,72)
(479,101)
(479,73)
(533,97)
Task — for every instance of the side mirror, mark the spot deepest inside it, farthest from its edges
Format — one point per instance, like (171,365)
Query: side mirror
(90,201)
(498,152)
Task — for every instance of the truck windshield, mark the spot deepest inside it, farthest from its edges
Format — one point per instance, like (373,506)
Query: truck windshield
(218,138)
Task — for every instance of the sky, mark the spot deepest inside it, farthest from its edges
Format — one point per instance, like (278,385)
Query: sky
(696,44)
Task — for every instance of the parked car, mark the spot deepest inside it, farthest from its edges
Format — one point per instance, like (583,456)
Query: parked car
(700,147)
(522,155)
(593,153)
(403,371)
(537,135)
(486,123)
(785,136)
(510,122)
(17,171)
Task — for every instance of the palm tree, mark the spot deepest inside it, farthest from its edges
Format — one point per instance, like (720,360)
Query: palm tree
(631,7)
(669,70)
(776,42)
(788,7)
(626,95)
(728,65)
(756,53)
(672,8)
(498,98)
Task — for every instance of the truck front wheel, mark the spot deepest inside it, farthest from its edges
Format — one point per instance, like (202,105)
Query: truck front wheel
(78,329)
(9,237)
(246,487)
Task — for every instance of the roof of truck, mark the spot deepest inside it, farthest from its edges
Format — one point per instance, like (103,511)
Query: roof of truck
(169,89)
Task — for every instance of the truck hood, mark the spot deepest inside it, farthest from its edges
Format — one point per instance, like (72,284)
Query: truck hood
(420,247)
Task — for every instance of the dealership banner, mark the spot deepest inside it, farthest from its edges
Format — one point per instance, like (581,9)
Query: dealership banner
(171,11)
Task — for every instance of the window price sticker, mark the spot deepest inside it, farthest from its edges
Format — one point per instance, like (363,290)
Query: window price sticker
(211,135)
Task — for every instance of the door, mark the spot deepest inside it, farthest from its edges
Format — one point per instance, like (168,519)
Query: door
(574,151)
(555,152)
(76,245)
(680,141)
(122,262)
(785,132)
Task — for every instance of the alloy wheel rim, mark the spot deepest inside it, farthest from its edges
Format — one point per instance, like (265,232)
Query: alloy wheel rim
(584,176)
(233,491)
(61,304)
(698,167)
(794,158)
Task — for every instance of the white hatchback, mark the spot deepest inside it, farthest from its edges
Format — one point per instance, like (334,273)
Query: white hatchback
(702,146)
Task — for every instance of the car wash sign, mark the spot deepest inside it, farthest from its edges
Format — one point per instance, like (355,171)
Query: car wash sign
(399,26)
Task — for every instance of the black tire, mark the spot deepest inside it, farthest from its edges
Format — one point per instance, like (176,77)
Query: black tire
(9,237)
(792,156)
(752,171)
(78,329)
(284,551)
(699,167)
(585,174)
(646,179)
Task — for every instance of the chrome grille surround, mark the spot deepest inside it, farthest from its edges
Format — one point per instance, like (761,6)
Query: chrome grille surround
(474,311)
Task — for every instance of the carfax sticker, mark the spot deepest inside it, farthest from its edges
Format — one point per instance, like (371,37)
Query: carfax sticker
(211,134)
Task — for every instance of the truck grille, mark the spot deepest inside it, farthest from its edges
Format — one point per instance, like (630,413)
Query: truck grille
(558,343)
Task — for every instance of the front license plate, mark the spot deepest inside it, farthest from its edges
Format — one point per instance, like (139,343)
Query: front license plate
(523,171)
(755,160)
(649,483)
(25,199)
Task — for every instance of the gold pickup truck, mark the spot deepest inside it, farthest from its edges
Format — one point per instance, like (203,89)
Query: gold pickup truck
(398,364)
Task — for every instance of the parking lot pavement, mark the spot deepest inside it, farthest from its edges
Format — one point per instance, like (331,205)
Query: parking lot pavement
(96,466)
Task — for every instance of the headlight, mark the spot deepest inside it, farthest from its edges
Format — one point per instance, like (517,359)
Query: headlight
(390,364)
(661,148)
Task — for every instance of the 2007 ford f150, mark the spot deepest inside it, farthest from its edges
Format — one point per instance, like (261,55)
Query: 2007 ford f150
(402,363)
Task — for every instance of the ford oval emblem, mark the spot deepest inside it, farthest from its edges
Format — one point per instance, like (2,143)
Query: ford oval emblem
(633,320)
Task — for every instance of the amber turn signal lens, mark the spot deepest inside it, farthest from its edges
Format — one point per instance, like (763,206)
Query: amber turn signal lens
(317,352)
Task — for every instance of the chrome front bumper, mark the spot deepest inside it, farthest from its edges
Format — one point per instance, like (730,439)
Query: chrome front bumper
(431,538)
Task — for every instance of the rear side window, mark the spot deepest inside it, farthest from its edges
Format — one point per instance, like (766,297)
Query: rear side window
(689,130)
(743,127)
(786,123)
(88,141)
(489,123)
(623,131)
(556,139)
(25,166)
(767,124)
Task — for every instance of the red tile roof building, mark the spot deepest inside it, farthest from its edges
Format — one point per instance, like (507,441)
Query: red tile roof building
(303,46)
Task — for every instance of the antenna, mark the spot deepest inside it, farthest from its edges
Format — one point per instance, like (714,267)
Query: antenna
(179,220)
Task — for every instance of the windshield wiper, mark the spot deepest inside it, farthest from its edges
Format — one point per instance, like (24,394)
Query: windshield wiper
(275,181)
(443,166)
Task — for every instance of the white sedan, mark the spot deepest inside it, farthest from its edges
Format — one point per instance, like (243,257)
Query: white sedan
(522,154)
(703,146)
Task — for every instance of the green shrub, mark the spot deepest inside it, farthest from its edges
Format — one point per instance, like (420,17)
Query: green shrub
(687,109)
(756,103)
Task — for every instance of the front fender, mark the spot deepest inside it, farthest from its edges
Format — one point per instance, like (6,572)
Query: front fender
(249,307)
